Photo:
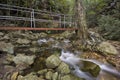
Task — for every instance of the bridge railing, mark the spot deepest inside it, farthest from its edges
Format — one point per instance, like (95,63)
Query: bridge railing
(34,16)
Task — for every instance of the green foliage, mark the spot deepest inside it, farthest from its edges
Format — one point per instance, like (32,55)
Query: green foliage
(109,27)
(95,8)
(62,6)
(92,8)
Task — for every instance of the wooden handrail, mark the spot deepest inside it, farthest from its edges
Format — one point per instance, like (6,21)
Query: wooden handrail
(38,29)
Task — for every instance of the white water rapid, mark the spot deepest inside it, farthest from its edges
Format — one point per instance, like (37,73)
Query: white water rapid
(73,61)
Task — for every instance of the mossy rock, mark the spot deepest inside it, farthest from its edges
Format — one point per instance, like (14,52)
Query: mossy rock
(91,67)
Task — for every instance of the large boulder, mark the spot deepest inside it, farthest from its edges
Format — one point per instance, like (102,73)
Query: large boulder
(107,48)
(23,61)
(53,61)
(91,67)
(6,47)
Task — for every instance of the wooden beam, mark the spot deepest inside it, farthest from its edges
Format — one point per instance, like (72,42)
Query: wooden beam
(38,29)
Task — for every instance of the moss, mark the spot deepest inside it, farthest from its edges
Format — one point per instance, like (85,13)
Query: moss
(92,68)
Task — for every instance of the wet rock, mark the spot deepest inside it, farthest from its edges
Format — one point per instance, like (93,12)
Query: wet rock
(91,68)
(23,61)
(7,47)
(55,76)
(42,41)
(63,68)
(14,76)
(23,41)
(53,61)
(49,75)
(107,48)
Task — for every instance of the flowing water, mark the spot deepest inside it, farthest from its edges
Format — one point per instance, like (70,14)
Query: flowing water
(107,72)
(73,60)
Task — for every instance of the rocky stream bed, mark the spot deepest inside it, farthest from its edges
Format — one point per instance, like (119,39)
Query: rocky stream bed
(27,55)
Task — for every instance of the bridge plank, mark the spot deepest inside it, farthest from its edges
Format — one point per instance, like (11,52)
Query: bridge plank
(38,29)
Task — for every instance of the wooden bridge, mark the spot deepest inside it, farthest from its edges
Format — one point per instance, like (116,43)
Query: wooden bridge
(13,14)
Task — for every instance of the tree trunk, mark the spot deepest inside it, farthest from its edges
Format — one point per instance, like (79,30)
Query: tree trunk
(81,21)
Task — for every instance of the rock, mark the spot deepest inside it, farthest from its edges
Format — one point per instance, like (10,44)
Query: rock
(34,50)
(55,76)
(66,77)
(42,72)
(59,76)
(20,77)
(107,48)
(23,41)
(30,76)
(14,76)
(92,68)
(8,59)
(69,77)
(1,34)
(53,61)
(7,47)
(63,68)
(67,34)
(34,43)
(19,34)
(6,37)
(6,72)
(73,77)
(43,35)
(23,61)
(48,75)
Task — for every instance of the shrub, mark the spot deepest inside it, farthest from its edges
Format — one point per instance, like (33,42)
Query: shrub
(109,27)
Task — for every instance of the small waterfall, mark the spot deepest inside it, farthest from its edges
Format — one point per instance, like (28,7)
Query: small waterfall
(41,41)
(104,67)
(73,61)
